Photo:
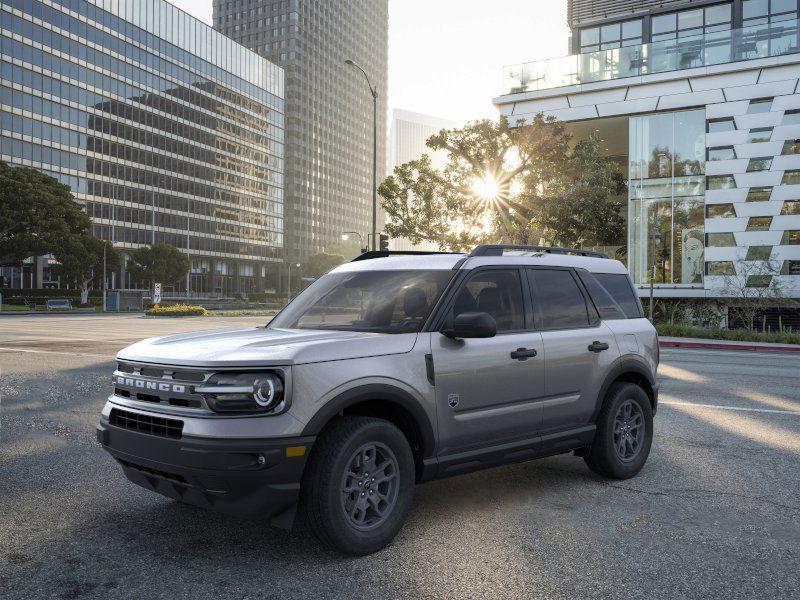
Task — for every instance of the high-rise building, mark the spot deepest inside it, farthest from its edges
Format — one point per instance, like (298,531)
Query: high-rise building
(166,131)
(407,136)
(699,101)
(328,106)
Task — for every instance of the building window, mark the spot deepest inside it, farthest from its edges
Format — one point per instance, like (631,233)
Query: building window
(791,207)
(758,253)
(759,134)
(720,182)
(720,125)
(612,35)
(720,268)
(760,12)
(759,223)
(720,211)
(763,163)
(791,117)
(721,153)
(790,267)
(691,23)
(791,237)
(791,147)
(759,106)
(759,281)
(791,177)
(759,194)
(666,197)
(720,240)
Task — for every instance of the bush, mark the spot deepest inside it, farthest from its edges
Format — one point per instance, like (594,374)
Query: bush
(739,335)
(176,310)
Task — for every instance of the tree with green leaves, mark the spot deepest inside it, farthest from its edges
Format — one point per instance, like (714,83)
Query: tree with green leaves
(317,265)
(37,214)
(503,184)
(81,262)
(159,263)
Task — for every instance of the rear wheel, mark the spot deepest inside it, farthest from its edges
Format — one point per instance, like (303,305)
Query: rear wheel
(357,491)
(624,433)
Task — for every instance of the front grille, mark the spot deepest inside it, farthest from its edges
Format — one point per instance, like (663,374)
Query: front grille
(157,472)
(169,428)
(160,385)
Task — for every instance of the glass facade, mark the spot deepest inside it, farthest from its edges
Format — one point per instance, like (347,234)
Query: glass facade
(666,197)
(166,131)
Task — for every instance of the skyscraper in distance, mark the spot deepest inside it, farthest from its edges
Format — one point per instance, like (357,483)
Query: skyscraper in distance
(328,180)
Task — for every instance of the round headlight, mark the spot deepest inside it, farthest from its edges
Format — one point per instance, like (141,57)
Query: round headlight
(268,392)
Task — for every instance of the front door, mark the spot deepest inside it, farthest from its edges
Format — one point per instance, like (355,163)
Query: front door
(484,395)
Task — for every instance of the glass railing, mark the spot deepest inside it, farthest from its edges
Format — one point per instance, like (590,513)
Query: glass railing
(758,41)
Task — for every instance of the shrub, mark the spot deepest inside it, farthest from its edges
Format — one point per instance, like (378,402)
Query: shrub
(739,335)
(176,310)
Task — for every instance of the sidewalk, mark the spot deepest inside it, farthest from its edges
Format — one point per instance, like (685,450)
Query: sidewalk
(675,342)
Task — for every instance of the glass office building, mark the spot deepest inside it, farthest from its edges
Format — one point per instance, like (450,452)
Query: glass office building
(166,131)
(699,103)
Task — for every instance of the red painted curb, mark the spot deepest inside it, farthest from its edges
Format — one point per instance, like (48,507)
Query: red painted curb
(715,346)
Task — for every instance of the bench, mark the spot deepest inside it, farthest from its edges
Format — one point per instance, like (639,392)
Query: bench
(59,304)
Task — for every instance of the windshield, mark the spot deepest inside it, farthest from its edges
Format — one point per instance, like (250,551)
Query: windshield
(377,301)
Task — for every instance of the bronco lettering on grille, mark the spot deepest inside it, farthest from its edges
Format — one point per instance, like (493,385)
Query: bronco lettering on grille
(151,385)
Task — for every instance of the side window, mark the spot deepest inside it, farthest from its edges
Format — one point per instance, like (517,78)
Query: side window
(559,299)
(605,304)
(497,292)
(619,287)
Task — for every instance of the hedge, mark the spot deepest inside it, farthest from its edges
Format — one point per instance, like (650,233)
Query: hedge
(738,335)
(176,310)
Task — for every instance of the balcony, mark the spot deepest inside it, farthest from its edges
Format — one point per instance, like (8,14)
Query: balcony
(719,47)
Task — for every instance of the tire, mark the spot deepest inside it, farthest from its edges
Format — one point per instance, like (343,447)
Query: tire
(339,462)
(623,456)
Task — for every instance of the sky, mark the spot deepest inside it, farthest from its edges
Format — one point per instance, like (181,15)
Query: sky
(446,56)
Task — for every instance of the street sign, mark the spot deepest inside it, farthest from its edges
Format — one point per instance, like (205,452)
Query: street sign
(157,293)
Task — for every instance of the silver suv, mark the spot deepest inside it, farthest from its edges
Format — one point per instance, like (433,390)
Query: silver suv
(388,371)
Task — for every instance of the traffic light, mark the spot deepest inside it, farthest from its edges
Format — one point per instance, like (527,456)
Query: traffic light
(384,242)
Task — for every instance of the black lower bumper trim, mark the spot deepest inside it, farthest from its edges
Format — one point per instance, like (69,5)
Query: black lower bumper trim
(254,477)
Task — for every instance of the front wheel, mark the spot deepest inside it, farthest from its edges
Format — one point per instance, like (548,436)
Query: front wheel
(624,433)
(357,491)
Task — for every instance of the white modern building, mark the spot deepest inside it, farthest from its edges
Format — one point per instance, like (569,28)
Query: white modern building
(699,101)
(407,136)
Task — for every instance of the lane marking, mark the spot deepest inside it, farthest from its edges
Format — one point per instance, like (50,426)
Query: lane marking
(28,351)
(721,407)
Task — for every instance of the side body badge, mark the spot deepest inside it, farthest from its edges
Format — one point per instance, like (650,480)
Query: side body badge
(452,400)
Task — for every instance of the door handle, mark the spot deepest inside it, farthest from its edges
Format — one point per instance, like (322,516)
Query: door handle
(523,353)
(598,346)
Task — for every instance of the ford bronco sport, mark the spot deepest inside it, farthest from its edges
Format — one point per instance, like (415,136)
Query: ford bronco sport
(388,371)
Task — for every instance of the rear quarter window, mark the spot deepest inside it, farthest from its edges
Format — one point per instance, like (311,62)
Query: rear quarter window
(619,287)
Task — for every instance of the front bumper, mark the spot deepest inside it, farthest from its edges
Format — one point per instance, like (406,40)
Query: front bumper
(244,477)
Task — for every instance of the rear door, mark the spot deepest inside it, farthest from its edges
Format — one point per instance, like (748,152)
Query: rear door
(484,395)
(578,347)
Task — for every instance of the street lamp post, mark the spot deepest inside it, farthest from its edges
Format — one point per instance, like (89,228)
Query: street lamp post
(289,283)
(374,93)
(346,235)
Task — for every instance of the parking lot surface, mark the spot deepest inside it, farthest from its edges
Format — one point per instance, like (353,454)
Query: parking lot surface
(714,514)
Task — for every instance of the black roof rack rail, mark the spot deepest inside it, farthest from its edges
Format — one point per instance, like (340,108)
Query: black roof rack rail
(497,250)
(384,253)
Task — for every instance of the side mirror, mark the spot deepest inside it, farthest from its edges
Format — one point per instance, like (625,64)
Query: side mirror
(472,325)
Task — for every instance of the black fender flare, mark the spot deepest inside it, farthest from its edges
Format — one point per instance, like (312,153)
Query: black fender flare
(623,365)
(372,392)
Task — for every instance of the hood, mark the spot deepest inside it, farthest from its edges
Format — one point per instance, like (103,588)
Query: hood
(259,346)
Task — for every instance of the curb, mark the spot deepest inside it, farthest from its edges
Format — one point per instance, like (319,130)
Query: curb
(721,346)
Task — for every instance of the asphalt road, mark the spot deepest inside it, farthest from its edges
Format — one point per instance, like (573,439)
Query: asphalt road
(714,514)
